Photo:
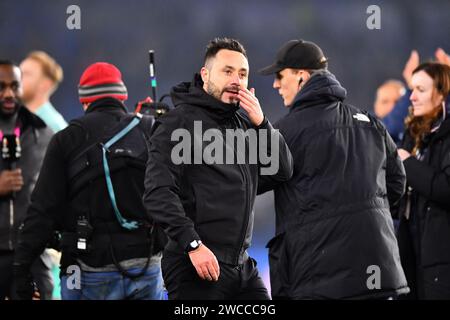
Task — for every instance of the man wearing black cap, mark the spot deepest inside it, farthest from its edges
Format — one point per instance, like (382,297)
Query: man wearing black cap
(334,233)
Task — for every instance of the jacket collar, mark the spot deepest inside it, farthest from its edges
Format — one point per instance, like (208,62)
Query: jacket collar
(27,118)
(107,105)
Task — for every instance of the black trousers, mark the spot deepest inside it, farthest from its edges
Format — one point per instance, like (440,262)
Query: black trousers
(240,282)
(41,275)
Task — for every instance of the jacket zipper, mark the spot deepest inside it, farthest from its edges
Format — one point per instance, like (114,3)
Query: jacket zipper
(247,215)
(408,203)
(246,179)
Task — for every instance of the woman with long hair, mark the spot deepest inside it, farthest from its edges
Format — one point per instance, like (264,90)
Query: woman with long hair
(424,232)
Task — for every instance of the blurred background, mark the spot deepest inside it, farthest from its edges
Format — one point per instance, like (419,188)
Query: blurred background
(122,32)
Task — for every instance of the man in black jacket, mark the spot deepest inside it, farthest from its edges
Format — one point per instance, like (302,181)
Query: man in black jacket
(19,169)
(334,233)
(204,202)
(90,189)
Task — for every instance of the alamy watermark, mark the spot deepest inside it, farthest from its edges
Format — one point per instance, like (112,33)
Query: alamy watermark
(73,21)
(236,146)
(374,280)
(374,19)
(73,281)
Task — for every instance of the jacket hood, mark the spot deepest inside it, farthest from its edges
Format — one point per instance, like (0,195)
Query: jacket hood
(192,93)
(321,87)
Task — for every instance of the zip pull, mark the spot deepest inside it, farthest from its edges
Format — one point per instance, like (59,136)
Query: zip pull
(408,203)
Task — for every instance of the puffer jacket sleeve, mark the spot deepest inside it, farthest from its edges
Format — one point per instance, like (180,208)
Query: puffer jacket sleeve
(281,165)
(395,171)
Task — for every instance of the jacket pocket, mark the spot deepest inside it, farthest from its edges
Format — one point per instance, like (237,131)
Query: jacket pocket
(437,282)
(278,266)
(436,237)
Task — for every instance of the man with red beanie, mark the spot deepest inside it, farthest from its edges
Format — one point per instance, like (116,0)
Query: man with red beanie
(90,190)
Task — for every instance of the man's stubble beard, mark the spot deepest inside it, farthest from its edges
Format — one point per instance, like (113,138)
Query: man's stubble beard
(214,91)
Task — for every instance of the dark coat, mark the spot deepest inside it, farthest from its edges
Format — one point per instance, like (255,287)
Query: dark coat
(35,136)
(332,218)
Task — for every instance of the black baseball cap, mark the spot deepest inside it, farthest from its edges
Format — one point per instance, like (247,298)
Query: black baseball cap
(297,54)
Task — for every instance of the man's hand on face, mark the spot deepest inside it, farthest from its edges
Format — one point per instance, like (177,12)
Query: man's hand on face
(249,102)
(205,263)
(10,180)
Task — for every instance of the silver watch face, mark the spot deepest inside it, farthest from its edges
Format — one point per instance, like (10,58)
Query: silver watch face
(194,244)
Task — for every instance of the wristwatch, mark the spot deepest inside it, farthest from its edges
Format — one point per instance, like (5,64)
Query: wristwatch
(194,245)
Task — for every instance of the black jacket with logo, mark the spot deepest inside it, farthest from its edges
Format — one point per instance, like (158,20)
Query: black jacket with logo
(332,218)
(210,202)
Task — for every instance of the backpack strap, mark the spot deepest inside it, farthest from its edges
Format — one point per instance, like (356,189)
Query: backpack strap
(130,225)
(146,125)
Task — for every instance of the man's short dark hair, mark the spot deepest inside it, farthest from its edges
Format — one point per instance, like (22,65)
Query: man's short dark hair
(4,62)
(218,44)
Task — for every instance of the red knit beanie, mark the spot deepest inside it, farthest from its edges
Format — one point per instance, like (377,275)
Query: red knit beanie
(101,80)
